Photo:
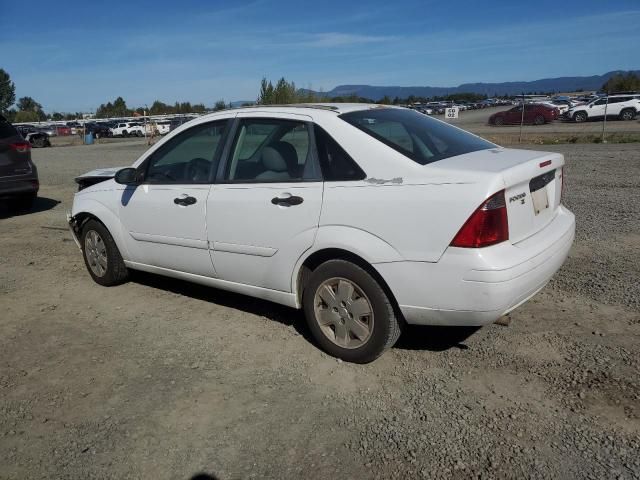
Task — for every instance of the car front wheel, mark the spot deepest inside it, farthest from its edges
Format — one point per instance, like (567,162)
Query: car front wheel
(101,255)
(580,117)
(539,120)
(349,314)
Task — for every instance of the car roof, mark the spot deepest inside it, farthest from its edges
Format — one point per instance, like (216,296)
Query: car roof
(312,109)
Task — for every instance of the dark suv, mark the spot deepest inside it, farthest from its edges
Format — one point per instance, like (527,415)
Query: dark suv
(18,175)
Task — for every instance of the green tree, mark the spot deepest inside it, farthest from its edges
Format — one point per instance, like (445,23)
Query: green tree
(120,108)
(219,105)
(29,105)
(57,116)
(160,108)
(198,108)
(7,91)
(26,116)
(385,100)
(266,96)
(622,83)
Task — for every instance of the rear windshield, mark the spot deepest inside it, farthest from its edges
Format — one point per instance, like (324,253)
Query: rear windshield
(7,130)
(419,137)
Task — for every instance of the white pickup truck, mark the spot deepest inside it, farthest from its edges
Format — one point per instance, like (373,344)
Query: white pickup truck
(128,129)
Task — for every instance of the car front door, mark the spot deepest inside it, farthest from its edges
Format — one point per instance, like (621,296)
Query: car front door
(165,215)
(263,212)
(513,115)
(596,109)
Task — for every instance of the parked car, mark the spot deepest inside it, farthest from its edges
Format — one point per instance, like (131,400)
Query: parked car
(98,130)
(49,130)
(127,129)
(534,114)
(276,203)
(18,174)
(35,137)
(623,107)
(63,130)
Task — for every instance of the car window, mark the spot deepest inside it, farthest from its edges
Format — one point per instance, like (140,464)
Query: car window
(336,164)
(601,102)
(7,130)
(190,157)
(271,150)
(417,136)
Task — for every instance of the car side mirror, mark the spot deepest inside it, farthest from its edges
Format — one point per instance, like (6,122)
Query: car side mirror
(127,176)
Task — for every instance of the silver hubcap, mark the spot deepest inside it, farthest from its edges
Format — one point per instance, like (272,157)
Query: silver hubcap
(343,312)
(96,253)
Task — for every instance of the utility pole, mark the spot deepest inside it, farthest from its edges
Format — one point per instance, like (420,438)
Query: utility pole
(604,123)
(521,119)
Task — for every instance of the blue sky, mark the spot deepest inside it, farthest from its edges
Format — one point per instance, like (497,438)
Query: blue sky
(74,56)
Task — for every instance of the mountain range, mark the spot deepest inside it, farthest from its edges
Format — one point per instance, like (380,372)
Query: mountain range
(559,84)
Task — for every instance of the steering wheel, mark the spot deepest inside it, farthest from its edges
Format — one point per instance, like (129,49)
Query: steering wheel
(198,169)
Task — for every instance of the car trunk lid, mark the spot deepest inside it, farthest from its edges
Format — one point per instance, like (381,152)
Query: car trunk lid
(532,182)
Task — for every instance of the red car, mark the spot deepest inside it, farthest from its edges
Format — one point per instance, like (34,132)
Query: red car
(63,130)
(535,114)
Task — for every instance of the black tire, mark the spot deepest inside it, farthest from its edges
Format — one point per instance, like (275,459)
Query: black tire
(498,121)
(23,203)
(538,120)
(125,134)
(115,271)
(580,117)
(385,328)
(627,114)
(40,142)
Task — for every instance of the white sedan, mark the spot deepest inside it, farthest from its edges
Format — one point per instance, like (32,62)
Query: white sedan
(365,216)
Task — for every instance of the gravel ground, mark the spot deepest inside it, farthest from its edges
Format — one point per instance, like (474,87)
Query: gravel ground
(163,379)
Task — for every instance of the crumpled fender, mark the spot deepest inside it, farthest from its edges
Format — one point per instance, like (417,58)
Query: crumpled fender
(106,216)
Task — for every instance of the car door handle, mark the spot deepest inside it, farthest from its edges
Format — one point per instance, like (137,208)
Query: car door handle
(184,200)
(287,200)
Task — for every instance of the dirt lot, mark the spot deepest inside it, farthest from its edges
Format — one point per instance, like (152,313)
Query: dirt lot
(163,379)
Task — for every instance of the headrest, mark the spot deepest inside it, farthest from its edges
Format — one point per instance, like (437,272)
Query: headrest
(272,160)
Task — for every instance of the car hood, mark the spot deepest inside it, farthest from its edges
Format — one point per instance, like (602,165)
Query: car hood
(100,173)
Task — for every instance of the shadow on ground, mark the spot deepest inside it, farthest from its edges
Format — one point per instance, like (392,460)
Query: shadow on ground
(41,204)
(204,476)
(436,339)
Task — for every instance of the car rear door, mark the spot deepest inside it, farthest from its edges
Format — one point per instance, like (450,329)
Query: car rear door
(264,210)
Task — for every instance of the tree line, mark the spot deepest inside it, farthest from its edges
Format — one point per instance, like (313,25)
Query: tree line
(27,109)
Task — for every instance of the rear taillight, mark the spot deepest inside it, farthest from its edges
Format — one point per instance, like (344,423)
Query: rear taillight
(20,147)
(488,225)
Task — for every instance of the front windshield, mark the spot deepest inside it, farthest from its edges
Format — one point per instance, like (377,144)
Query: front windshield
(415,135)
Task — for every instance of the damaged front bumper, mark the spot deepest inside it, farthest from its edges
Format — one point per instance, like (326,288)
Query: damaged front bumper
(73,227)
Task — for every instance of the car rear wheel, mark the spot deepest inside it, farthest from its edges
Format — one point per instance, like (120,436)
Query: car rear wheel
(349,314)
(580,117)
(125,134)
(101,255)
(628,114)
(539,120)
(499,121)
(40,142)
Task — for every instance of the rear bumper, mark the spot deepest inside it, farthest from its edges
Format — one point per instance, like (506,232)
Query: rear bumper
(478,286)
(16,186)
